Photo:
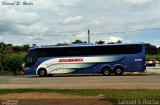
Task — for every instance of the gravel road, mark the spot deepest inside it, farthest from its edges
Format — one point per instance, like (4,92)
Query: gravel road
(130,81)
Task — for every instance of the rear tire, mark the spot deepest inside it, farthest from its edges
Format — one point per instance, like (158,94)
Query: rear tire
(106,71)
(118,71)
(42,72)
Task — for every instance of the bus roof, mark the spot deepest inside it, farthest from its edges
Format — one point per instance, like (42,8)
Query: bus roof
(82,45)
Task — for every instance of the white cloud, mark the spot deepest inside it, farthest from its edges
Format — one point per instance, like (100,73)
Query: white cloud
(1,38)
(70,2)
(13,21)
(138,2)
(38,28)
(73,20)
(74,17)
(37,37)
(113,39)
(82,35)
(20,17)
(96,23)
(156,42)
(55,4)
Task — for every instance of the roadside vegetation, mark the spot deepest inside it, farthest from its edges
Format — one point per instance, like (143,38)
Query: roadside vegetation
(12,57)
(153,57)
(110,95)
(152,52)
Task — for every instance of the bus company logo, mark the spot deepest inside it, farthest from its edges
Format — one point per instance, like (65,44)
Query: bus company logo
(71,60)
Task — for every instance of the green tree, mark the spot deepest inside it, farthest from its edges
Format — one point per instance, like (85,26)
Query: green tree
(119,41)
(100,42)
(13,61)
(78,42)
(158,51)
(62,44)
(151,49)
(110,43)
(3,50)
(25,47)
(17,48)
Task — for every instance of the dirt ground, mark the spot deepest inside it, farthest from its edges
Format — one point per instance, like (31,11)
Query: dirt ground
(50,99)
(136,81)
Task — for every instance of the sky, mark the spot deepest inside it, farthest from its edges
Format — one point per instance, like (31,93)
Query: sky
(47,22)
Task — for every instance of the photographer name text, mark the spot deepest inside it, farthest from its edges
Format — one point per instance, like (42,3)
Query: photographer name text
(17,3)
(138,102)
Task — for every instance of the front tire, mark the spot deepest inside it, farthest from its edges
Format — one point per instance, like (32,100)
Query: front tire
(42,72)
(106,71)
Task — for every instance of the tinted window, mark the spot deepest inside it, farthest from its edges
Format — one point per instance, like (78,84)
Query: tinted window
(87,50)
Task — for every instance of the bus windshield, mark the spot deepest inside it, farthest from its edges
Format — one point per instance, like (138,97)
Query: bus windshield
(31,58)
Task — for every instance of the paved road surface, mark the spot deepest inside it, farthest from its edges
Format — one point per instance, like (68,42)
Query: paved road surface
(132,81)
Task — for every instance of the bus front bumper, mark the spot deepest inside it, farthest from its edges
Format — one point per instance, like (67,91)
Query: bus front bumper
(29,71)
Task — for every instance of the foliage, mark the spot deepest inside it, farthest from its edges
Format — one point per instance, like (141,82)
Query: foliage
(100,42)
(11,56)
(7,73)
(3,52)
(153,57)
(158,51)
(13,62)
(23,48)
(119,41)
(78,42)
(151,49)
(62,44)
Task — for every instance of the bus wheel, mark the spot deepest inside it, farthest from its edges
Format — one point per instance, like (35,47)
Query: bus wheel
(106,71)
(118,71)
(42,72)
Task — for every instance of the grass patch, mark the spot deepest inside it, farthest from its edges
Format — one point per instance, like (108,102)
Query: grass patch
(9,73)
(111,95)
(152,57)
(6,73)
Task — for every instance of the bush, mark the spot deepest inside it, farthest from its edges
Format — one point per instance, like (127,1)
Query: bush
(153,57)
(13,62)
